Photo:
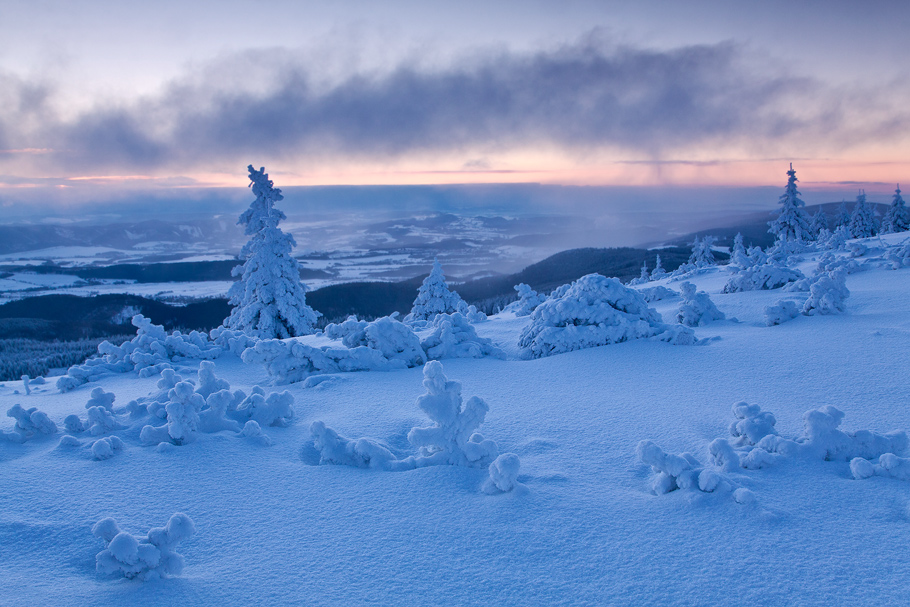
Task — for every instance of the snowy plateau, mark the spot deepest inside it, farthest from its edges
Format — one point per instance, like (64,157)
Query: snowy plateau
(763,464)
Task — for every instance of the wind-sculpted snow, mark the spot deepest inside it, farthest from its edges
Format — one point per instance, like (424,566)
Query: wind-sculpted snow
(678,471)
(392,338)
(528,300)
(149,353)
(451,440)
(696,308)
(29,423)
(453,336)
(594,311)
(151,557)
(762,277)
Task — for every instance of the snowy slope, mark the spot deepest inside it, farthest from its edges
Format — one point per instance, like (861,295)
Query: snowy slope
(273,527)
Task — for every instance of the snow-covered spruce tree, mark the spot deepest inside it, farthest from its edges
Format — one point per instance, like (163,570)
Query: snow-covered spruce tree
(738,255)
(791,224)
(434,297)
(862,222)
(897,219)
(819,223)
(658,272)
(842,217)
(645,276)
(269,300)
(702,255)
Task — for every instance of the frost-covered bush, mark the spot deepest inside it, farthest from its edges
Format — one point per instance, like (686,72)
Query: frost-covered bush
(107,447)
(738,256)
(528,300)
(149,353)
(658,293)
(452,438)
(677,471)
(29,423)
(503,474)
(658,272)
(781,312)
(100,398)
(696,308)
(360,453)
(213,418)
(268,301)
(392,338)
(101,421)
(827,294)
(183,409)
(752,424)
(434,297)
(274,410)
(762,277)
(898,257)
(454,337)
(151,557)
(291,361)
(231,340)
(594,311)
(889,465)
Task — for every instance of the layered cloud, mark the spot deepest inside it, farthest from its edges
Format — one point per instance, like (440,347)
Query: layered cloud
(589,97)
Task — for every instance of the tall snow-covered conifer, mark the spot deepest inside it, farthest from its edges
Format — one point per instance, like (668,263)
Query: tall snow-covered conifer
(434,297)
(897,219)
(702,255)
(819,223)
(842,218)
(738,255)
(862,222)
(269,300)
(792,224)
(658,272)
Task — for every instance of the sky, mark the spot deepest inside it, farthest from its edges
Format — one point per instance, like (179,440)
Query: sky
(121,101)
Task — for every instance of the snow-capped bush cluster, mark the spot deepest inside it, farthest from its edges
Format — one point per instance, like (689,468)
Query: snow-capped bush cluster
(658,293)
(766,276)
(827,294)
(888,464)
(451,440)
(898,257)
(454,337)
(696,308)
(29,423)
(151,557)
(527,302)
(594,311)
(151,351)
(677,471)
(393,339)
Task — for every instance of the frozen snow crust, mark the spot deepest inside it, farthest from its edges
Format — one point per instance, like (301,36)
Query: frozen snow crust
(760,483)
(594,311)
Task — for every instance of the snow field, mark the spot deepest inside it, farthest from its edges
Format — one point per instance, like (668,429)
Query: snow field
(587,531)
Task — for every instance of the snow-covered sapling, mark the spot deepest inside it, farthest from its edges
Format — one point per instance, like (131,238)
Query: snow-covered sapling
(452,438)
(207,383)
(105,448)
(276,410)
(696,308)
(503,473)
(213,417)
(676,471)
(29,422)
(781,312)
(792,223)
(253,431)
(454,337)
(528,300)
(889,465)
(827,294)
(434,297)
(752,424)
(100,398)
(360,453)
(151,557)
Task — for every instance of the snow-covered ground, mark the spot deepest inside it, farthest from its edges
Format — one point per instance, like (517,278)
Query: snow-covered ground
(273,526)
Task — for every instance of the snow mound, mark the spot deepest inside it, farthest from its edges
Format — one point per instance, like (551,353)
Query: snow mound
(29,423)
(528,300)
(594,311)
(827,294)
(696,308)
(253,431)
(360,453)
(454,337)
(889,465)
(677,471)
(107,447)
(781,312)
(150,352)
(767,276)
(503,474)
(392,338)
(151,557)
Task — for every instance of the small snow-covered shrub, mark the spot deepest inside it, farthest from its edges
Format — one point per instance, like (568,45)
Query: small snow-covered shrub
(100,421)
(723,455)
(253,431)
(291,361)
(677,471)
(752,423)
(452,438)
(212,418)
(781,312)
(232,340)
(152,350)
(762,277)
(105,448)
(658,293)
(360,453)
(593,311)
(100,398)
(276,410)
(392,338)
(827,294)
(29,422)
(454,337)
(183,409)
(207,383)
(503,474)
(528,300)
(889,465)
(434,297)
(696,308)
(151,557)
